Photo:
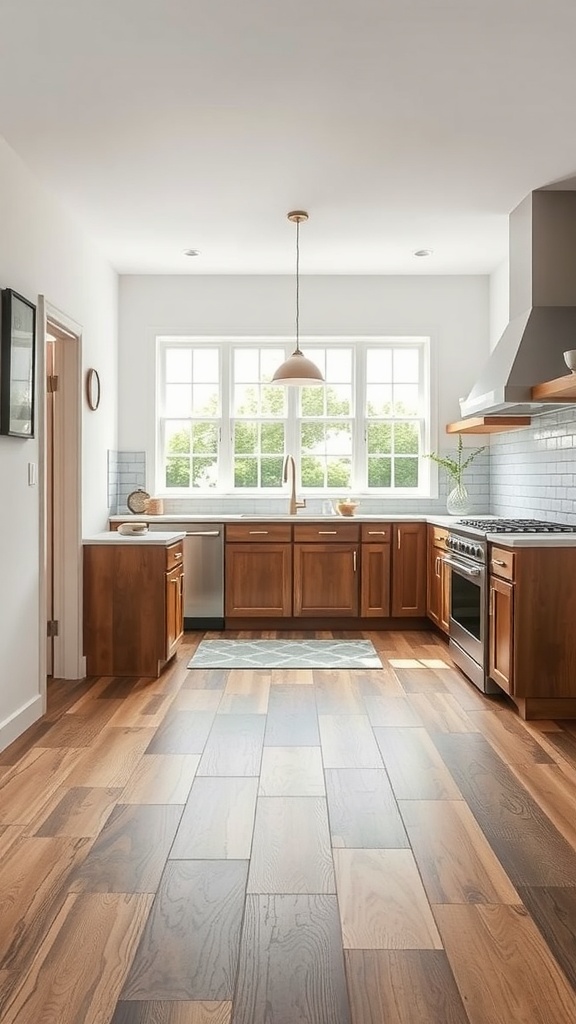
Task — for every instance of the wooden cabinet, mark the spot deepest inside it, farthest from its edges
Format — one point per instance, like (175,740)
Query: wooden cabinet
(132,607)
(258,571)
(531,636)
(438,578)
(409,570)
(326,569)
(375,570)
(501,633)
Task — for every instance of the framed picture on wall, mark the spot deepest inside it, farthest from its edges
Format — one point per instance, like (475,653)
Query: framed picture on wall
(17,369)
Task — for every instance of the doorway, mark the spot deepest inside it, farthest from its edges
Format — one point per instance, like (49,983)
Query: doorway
(61,586)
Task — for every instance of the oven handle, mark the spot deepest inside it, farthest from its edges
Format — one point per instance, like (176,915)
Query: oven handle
(462,568)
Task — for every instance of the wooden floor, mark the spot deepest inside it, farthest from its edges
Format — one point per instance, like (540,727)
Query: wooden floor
(289,847)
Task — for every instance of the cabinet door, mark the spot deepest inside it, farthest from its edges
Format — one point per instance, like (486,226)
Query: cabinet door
(501,633)
(434,583)
(174,608)
(258,580)
(326,579)
(446,587)
(409,570)
(375,576)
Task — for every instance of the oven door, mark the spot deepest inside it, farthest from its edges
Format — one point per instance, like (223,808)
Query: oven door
(468,607)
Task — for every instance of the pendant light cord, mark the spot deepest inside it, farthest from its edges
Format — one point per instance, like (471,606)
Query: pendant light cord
(298,285)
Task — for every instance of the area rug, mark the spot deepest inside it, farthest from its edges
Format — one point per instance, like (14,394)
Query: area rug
(285,654)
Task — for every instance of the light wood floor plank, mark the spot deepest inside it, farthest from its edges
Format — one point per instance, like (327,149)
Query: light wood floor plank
(246,692)
(234,746)
(391,711)
(291,963)
(382,901)
(110,761)
(28,786)
(130,853)
(553,786)
(190,946)
(415,768)
(82,962)
(362,810)
(34,878)
(197,700)
(441,712)
(218,820)
(292,719)
(172,1013)
(337,693)
(182,732)
(348,742)
(291,848)
(503,968)
(161,779)
(408,986)
(80,812)
(453,856)
(292,771)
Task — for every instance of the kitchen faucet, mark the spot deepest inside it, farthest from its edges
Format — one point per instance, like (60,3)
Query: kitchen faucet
(294,504)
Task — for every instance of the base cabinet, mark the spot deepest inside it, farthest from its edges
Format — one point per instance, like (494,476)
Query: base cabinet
(501,633)
(438,579)
(409,570)
(258,580)
(375,580)
(325,579)
(132,607)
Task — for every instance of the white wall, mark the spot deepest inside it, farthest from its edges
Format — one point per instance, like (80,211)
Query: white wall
(453,310)
(43,251)
(499,302)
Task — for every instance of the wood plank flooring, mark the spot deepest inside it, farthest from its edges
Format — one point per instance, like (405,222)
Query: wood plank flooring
(289,847)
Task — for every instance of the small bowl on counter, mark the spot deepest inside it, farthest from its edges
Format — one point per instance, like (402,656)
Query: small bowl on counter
(133,529)
(346,508)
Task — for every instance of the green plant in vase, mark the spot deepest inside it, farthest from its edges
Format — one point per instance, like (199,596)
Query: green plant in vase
(457,502)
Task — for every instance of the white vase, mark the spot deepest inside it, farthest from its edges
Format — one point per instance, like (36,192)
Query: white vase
(458,501)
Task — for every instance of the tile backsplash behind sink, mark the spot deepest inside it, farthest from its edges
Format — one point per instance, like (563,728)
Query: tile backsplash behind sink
(127,472)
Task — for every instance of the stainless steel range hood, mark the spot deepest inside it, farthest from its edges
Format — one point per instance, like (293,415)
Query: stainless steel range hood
(542,307)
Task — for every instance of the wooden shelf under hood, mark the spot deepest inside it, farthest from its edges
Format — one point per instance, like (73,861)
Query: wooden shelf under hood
(487,424)
(561,389)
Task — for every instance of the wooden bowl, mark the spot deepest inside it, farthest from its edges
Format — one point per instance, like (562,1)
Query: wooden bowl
(347,508)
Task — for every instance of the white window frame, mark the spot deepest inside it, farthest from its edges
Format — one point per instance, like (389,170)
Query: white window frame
(428,476)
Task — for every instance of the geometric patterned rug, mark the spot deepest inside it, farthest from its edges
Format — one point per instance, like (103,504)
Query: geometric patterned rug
(285,654)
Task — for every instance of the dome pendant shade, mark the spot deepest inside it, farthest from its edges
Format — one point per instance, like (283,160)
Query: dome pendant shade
(297,369)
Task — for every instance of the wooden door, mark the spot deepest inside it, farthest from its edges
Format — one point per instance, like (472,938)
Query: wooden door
(433,582)
(445,588)
(409,570)
(326,579)
(258,580)
(375,581)
(501,633)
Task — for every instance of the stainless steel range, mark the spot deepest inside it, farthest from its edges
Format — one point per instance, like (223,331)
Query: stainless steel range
(467,559)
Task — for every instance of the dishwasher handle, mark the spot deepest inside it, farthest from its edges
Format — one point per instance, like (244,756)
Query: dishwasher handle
(202,533)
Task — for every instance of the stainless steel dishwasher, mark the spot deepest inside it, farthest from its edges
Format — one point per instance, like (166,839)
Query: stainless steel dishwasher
(203,572)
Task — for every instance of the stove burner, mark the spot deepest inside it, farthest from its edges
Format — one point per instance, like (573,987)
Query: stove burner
(516,526)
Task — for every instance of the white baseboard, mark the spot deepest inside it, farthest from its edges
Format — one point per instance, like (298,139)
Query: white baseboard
(13,726)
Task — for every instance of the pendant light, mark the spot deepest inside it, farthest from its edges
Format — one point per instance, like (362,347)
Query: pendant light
(297,369)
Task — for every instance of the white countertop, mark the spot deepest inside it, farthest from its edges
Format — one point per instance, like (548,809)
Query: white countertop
(162,538)
(532,540)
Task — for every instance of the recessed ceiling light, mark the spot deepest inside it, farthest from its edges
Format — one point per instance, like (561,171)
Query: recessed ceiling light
(191,252)
(423,252)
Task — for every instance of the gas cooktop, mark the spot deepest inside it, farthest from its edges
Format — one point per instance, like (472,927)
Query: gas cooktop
(515,526)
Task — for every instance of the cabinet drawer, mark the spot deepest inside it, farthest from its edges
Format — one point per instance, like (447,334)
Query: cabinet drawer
(259,532)
(438,536)
(305,532)
(376,533)
(174,554)
(502,563)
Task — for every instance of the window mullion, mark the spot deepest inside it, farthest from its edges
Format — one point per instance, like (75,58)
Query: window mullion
(226,473)
(359,439)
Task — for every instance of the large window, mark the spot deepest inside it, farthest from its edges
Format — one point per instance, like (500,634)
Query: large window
(223,426)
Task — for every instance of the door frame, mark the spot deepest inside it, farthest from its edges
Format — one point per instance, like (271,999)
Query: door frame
(69,662)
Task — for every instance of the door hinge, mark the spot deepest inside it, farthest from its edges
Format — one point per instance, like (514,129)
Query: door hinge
(53,626)
(52,383)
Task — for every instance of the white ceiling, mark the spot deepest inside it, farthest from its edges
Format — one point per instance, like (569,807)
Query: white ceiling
(398,124)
